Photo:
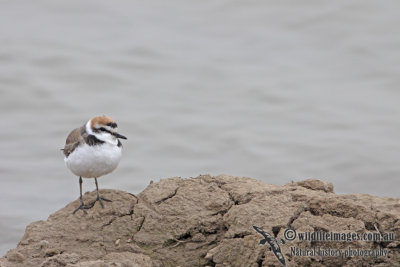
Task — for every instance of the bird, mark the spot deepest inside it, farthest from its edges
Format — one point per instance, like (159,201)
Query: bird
(91,151)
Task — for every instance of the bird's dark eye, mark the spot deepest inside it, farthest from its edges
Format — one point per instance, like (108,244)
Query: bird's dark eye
(102,129)
(112,124)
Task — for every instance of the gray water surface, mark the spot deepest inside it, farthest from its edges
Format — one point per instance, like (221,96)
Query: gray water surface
(273,90)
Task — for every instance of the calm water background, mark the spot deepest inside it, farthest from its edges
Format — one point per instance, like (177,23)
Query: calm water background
(272,90)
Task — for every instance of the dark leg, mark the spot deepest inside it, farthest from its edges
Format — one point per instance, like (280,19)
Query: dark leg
(99,198)
(82,206)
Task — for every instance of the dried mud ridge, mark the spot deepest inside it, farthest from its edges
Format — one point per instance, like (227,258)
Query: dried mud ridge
(207,221)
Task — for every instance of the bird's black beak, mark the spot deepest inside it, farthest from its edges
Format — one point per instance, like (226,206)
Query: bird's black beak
(119,135)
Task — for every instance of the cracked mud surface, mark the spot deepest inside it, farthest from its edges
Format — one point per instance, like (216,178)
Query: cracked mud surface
(207,221)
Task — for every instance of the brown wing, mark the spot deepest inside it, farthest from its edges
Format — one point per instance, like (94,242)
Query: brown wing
(73,140)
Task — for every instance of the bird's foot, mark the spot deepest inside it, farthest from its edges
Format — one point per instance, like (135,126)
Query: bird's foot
(100,199)
(83,208)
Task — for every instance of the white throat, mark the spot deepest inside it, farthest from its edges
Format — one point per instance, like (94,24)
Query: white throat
(106,137)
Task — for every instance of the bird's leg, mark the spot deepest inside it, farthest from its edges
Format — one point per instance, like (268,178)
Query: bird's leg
(99,198)
(82,206)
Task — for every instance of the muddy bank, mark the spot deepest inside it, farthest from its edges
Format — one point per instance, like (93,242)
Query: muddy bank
(208,221)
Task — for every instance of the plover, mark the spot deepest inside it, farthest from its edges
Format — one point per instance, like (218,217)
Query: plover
(91,151)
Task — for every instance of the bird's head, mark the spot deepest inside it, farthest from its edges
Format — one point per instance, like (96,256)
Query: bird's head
(104,128)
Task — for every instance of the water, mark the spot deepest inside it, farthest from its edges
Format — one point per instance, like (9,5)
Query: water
(272,90)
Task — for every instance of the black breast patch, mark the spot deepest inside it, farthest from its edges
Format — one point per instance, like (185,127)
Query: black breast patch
(92,140)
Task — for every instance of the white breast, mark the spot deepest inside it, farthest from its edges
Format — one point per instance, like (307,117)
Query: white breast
(94,161)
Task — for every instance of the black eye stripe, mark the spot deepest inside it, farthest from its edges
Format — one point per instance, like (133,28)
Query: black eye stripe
(104,130)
